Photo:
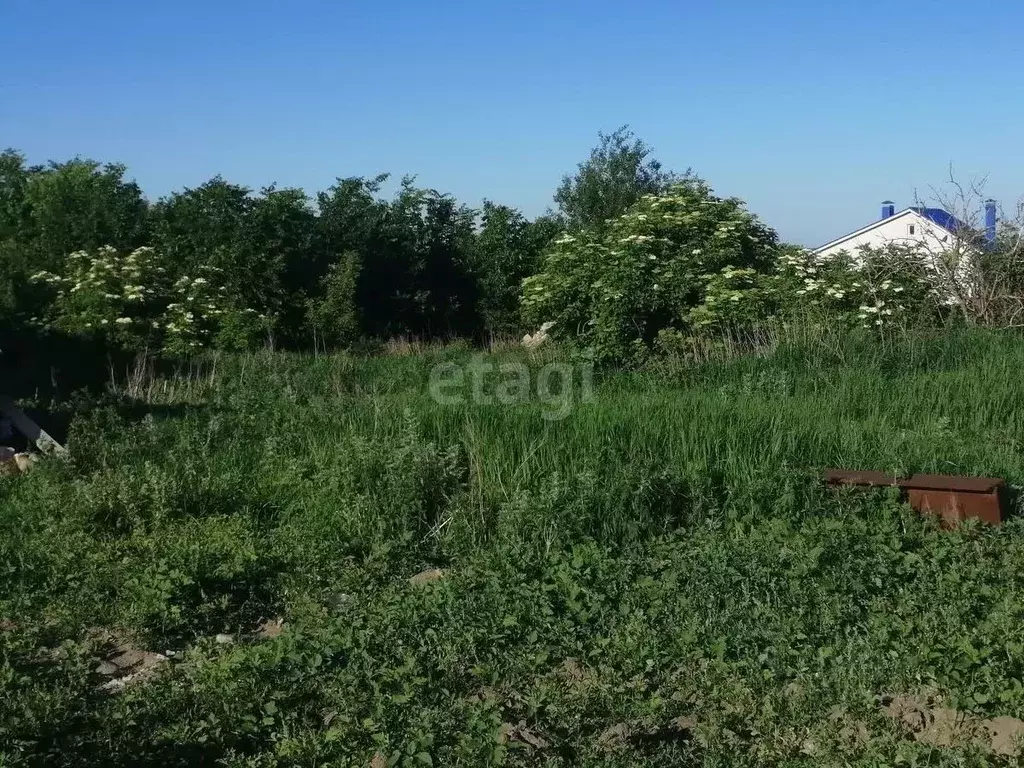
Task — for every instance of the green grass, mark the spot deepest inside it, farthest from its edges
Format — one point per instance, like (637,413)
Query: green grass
(663,551)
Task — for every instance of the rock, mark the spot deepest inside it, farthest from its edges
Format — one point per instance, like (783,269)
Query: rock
(270,629)
(539,338)
(8,463)
(521,734)
(223,639)
(128,666)
(426,577)
(143,672)
(129,658)
(25,461)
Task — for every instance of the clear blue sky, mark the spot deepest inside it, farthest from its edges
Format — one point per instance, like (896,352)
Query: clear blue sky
(812,111)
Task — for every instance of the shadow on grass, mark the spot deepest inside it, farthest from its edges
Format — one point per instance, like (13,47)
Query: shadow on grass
(66,374)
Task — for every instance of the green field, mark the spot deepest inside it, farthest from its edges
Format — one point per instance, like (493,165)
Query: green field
(658,578)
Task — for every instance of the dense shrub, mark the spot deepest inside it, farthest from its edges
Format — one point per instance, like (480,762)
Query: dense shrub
(129,300)
(650,271)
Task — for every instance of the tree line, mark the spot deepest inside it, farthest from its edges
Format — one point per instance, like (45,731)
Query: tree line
(323,269)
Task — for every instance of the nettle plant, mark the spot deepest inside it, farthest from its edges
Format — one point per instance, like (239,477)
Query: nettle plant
(653,268)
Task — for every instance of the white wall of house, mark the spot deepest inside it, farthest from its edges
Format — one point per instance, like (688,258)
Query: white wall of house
(904,228)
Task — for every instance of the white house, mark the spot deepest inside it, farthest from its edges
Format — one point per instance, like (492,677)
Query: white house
(931,229)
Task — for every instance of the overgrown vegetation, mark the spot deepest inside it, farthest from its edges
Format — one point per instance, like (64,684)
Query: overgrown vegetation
(277,542)
(657,579)
(636,260)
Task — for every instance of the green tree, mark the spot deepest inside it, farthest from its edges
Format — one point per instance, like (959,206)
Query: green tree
(280,245)
(333,315)
(14,221)
(81,204)
(265,247)
(619,171)
(204,226)
(507,250)
(49,212)
(649,271)
(351,226)
(415,255)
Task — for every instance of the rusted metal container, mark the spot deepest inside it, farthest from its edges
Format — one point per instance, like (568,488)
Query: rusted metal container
(957,498)
(949,497)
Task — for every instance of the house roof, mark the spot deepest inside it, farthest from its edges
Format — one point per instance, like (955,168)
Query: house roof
(943,218)
(935,215)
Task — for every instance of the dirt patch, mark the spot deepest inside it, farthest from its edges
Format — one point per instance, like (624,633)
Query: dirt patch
(426,577)
(679,729)
(854,735)
(614,736)
(1006,735)
(270,628)
(521,734)
(121,663)
(927,721)
(572,671)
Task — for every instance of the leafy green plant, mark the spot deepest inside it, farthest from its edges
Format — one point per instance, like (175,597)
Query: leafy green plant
(334,315)
(118,296)
(618,289)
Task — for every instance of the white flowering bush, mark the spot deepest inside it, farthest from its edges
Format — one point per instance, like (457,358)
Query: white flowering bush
(733,297)
(130,301)
(117,296)
(647,271)
(872,289)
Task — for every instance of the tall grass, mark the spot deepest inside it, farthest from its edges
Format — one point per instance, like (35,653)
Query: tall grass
(670,535)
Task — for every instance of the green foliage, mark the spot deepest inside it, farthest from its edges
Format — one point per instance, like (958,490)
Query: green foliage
(415,256)
(619,171)
(874,288)
(650,259)
(664,552)
(261,245)
(81,204)
(508,249)
(47,213)
(334,316)
(649,271)
(121,297)
(129,301)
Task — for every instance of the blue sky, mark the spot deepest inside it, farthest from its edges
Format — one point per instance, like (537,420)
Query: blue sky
(813,112)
